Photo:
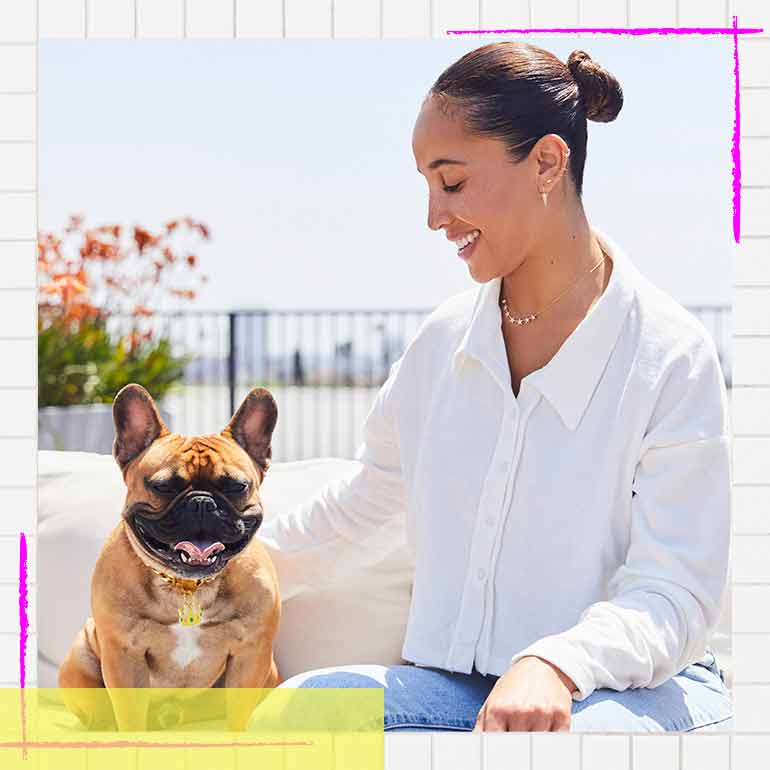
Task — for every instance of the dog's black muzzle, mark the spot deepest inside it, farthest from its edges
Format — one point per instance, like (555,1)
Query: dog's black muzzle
(199,517)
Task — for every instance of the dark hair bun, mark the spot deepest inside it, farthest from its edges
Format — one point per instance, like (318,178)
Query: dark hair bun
(600,91)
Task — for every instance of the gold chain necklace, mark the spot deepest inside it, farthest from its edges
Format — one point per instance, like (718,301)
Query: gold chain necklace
(190,613)
(522,320)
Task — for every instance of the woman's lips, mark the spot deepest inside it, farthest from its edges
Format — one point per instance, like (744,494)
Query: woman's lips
(466,251)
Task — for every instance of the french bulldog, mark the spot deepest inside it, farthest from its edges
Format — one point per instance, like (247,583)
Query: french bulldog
(182,594)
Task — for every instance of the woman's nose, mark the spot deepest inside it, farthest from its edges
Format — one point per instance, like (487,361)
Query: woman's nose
(437,214)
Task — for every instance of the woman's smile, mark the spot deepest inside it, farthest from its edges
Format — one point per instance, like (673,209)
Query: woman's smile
(467,245)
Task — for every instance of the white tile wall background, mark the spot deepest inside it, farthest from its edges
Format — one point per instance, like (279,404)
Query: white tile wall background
(23,21)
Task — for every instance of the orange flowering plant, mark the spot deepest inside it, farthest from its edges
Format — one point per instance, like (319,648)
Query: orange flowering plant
(99,290)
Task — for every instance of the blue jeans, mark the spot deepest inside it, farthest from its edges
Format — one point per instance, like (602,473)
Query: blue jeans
(418,698)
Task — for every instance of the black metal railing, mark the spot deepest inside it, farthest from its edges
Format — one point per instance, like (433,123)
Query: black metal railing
(324,368)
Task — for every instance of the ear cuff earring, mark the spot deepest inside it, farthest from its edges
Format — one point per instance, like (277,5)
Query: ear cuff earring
(543,193)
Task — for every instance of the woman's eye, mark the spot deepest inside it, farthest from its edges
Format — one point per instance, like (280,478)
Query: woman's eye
(452,188)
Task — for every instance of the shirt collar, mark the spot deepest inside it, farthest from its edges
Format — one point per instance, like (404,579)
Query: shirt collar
(570,378)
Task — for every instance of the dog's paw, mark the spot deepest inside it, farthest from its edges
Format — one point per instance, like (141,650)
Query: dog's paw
(169,714)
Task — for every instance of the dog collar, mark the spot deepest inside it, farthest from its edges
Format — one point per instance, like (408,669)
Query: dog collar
(190,613)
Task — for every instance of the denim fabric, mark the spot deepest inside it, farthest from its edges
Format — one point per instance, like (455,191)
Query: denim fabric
(421,698)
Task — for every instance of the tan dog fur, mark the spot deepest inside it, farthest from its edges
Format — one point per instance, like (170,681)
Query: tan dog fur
(133,638)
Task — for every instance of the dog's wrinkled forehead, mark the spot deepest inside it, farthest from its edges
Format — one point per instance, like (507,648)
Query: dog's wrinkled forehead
(197,460)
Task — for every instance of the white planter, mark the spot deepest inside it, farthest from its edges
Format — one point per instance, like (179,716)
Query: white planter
(81,428)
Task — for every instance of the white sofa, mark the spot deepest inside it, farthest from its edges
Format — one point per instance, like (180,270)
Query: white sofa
(361,620)
(79,502)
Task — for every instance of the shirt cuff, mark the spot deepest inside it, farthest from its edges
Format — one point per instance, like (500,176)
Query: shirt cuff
(566,658)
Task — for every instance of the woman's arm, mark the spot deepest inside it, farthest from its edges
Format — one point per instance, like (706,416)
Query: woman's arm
(352,523)
(664,601)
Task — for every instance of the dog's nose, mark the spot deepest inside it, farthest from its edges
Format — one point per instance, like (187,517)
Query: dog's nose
(200,504)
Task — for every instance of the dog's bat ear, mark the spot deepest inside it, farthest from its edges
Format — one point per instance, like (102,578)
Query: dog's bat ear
(137,423)
(252,426)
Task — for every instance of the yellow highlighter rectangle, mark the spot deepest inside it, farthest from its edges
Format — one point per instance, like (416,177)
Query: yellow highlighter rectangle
(300,728)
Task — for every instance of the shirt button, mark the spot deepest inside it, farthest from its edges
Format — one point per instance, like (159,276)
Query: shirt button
(504,466)
(490,521)
(481,574)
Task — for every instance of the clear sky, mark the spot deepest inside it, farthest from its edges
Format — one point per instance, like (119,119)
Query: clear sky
(297,154)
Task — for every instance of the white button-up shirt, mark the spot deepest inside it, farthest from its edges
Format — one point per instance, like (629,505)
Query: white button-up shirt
(586,521)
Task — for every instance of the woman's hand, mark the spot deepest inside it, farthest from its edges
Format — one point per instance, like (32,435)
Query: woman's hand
(532,696)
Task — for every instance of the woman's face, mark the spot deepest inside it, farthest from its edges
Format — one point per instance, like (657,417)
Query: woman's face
(479,191)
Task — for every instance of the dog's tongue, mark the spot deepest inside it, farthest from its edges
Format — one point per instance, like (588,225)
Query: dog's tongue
(199,550)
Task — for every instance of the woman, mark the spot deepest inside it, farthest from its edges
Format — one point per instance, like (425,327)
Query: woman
(556,441)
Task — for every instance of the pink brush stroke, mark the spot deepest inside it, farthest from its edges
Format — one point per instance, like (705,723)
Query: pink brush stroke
(736,152)
(735,30)
(617,30)
(144,744)
(24,629)
(23,620)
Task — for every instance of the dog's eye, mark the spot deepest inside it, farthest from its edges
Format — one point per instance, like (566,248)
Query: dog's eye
(234,487)
(164,487)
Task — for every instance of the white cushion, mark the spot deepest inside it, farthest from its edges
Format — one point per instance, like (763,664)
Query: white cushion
(360,620)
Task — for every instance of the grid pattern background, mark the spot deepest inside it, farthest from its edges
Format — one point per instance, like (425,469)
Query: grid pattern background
(23,21)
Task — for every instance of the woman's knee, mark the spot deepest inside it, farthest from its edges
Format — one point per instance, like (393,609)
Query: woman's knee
(370,675)
(680,704)
(284,710)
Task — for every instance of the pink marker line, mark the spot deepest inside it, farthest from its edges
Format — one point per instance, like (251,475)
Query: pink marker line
(144,744)
(734,30)
(23,632)
(736,152)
